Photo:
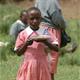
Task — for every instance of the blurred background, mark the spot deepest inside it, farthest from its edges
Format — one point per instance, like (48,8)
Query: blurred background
(69,63)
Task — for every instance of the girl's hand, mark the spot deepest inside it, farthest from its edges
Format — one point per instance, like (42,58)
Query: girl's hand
(29,41)
(42,40)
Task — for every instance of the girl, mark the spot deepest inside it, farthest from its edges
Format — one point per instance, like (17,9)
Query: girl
(35,65)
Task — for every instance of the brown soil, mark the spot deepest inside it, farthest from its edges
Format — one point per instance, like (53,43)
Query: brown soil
(70,8)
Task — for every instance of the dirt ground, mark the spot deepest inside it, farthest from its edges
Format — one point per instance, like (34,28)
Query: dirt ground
(70,8)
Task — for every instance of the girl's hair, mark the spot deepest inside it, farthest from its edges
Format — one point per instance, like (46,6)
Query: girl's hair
(23,12)
(33,8)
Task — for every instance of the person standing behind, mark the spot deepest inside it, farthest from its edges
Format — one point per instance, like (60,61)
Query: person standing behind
(53,19)
(18,25)
(51,13)
(35,65)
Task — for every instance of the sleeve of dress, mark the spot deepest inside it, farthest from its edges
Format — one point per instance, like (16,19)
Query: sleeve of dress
(53,39)
(19,41)
(13,30)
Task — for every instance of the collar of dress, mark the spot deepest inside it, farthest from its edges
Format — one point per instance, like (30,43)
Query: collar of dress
(40,31)
(19,21)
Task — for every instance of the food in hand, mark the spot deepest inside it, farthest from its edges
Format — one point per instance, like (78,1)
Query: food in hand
(41,37)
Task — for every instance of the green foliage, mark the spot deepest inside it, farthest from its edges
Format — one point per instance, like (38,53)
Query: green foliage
(73,30)
(68,72)
(8,69)
(6,51)
(8,16)
(70,59)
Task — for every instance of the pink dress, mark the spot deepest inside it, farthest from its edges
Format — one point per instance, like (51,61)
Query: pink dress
(53,56)
(35,64)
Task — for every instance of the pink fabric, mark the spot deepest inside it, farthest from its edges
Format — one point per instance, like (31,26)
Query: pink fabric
(35,65)
(56,36)
(54,54)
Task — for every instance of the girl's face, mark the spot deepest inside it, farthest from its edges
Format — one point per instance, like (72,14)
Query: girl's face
(34,18)
(24,18)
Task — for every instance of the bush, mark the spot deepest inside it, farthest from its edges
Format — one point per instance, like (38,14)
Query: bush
(6,24)
(8,16)
(6,51)
(72,58)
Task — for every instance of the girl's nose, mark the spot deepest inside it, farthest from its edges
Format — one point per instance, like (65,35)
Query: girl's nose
(35,20)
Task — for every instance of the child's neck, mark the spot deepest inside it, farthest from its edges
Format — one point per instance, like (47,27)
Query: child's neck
(34,29)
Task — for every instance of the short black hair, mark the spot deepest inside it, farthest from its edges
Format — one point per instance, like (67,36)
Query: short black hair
(33,8)
(23,12)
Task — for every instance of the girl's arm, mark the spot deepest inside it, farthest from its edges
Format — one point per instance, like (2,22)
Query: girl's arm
(22,49)
(51,46)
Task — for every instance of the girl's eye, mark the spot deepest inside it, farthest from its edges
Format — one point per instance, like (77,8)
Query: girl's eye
(37,18)
(31,18)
